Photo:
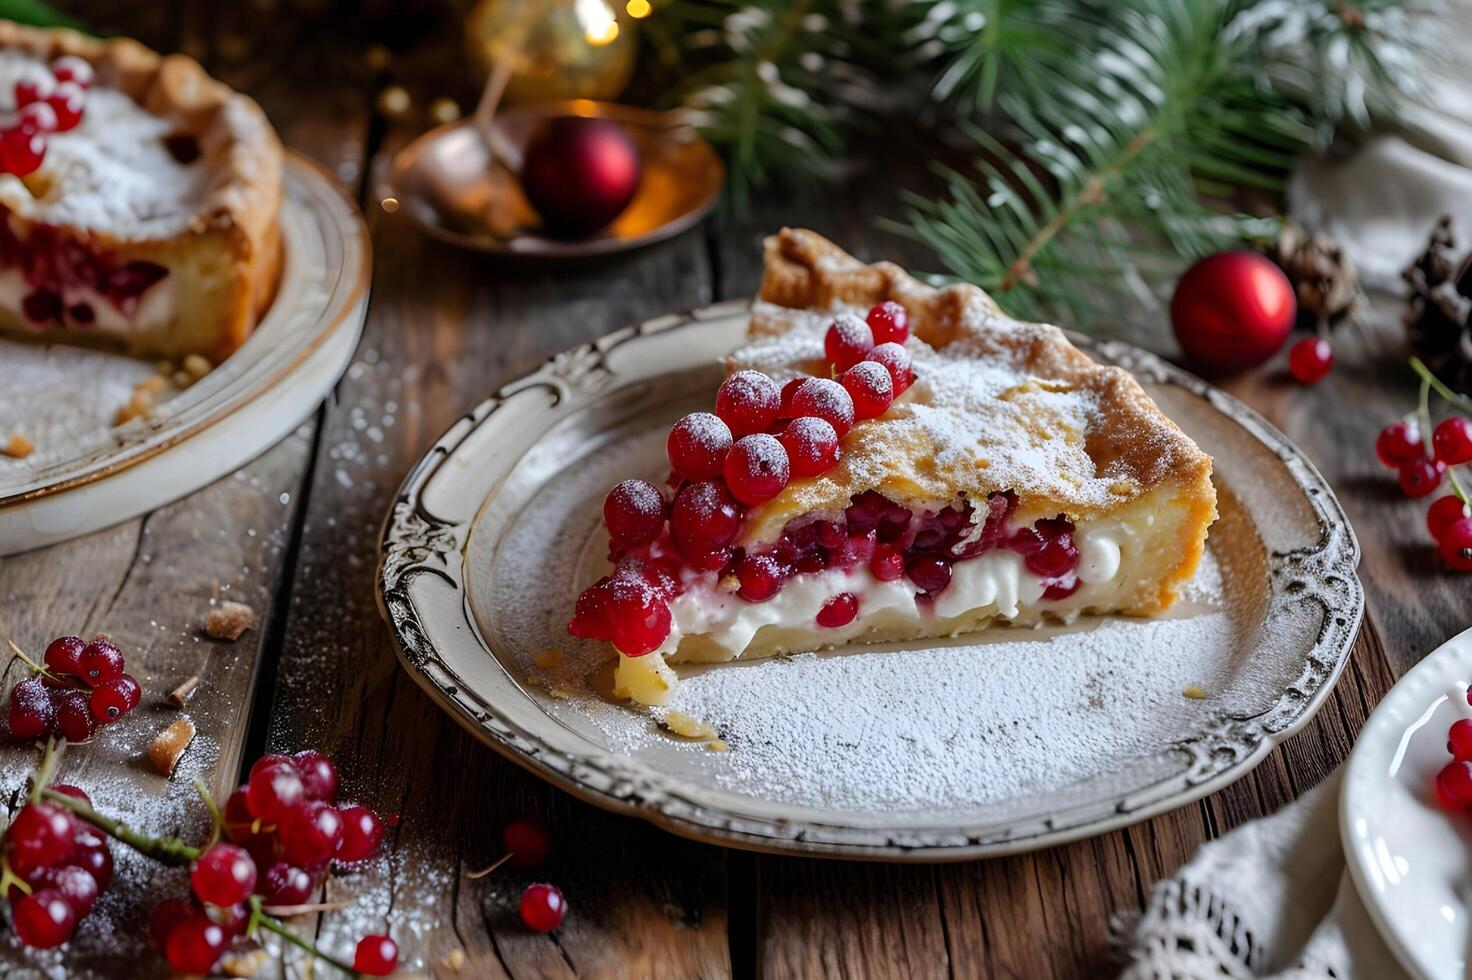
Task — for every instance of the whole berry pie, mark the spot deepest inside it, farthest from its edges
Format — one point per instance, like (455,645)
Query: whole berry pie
(889,461)
(140,198)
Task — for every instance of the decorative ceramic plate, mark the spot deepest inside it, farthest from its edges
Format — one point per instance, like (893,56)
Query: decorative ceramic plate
(1411,859)
(85,473)
(997,742)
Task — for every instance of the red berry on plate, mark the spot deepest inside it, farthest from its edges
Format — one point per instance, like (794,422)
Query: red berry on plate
(812,446)
(70,68)
(285,884)
(824,399)
(90,853)
(761,577)
(757,468)
(634,513)
(64,655)
(697,446)
(931,574)
(870,387)
(74,884)
(528,841)
(21,151)
(195,944)
(74,716)
(638,617)
(838,611)
(31,712)
(1459,739)
(1310,359)
(704,519)
(847,341)
(1452,440)
(44,919)
(115,697)
(542,907)
(1455,545)
(69,100)
(100,661)
(887,563)
(1421,477)
(165,915)
(1399,443)
(33,89)
(896,360)
(38,117)
(1442,513)
(274,791)
(40,836)
(748,401)
(890,323)
(1454,785)
(223,875)
(376,956)
(319,775)
(361,832)
(311,835)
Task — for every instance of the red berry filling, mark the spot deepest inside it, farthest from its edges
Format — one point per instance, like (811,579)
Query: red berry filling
(847,342)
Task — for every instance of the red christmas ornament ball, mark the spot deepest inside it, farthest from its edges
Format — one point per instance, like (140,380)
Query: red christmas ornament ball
(1232,311)
(580,173)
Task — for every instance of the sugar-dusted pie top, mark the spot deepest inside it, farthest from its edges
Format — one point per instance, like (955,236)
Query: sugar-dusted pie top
(997,404)
(112,173)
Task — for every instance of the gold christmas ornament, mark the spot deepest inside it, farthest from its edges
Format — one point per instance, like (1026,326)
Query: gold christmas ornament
(557,49)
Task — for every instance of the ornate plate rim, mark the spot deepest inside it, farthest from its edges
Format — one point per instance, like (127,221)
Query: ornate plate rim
(415,541)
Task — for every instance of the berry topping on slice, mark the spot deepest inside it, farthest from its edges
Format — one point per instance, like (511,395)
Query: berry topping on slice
(748,401)
(638,617)
(930,573)
(33,89)
(70,68)
(634,513)
(697,446)
(870,387)
(812,446)
(890,323)
(704,519)
(887,563)
(761,577)
(21,151)
(827,400)
(896,360)
(838,611)
(757,468)
(69,100)
(848,340)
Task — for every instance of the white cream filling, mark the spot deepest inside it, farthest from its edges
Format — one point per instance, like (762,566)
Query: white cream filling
(155,308)
(996,583)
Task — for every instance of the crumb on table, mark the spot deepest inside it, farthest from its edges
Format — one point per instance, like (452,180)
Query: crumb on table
(168,745)
(228,620)
(1195,692)
(686,726)
(18,446)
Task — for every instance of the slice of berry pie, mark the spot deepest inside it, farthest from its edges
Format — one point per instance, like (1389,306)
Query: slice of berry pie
(139,198)
(889,461)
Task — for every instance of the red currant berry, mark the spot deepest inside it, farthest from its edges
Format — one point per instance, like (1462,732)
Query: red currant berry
(32,713)
(896,360)
(33,89)
(165,915)
(100,661)
(74,884)
(704,519)
(848,340)
(929,573)
(223,875)
(1459,739)
(69,101)
(1455,545)
(542,907)
(697,446)
(90,853)
(634,513)
(312,834)
(232,918)
(74,716)
(319,775)
(70,68)
(1442,513)
(1452,441)
(361,832)
(761,577)
(239,821)
(528,841)
(838,611)
(114,697)
(274,791)
(788,390)
(40,836)
(376,956)
(44,919)
(1454,785)
(195,944)
(38,117)
(75,792)
(1310,359)
(870,387)
(748,401)
(887,563)
(268,760)
(812,446)
(890,323)
(757,468)
(1421,477)
(64,655)
(639,618)
(1399,443)
(21,151)
(285,885)
(824,399)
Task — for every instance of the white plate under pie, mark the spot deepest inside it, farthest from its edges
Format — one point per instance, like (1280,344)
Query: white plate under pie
(85,474)
(1411,860)
(997,742)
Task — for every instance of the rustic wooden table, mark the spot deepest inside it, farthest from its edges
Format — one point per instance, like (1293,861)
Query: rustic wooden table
(294,532)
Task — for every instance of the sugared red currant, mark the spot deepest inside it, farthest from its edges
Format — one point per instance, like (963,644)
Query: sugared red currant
(896,360)
(74,884)
(39,836)
(223,875)
(239,821)
(528,841)
(761,577)
(638,617)
(748,401)
(838,611)
(1454,785)
(74,716)
(312,834)
(285,884)
(542,907)
(165,915)
(361,832)
(824,399)
(1310,359)
(64,655)
(1452,440)
(91,853)
(195,944)
(44,919)
(1421,477)
(890,323)
(319,775)
(75,792)
(931,574)
(38,117)
(705,518)
(33,89)
(847,341)
(69,100)
(1399,443)
(757,468)
(70,68)
(1442,513)
(887,563)
(274,791)
(870,387)
(634,513)
(812,446)
(31,712)
(115,697)
(697,446)
(21,151)
(100,661)
(376,956)
(1459,739)
(1455,545)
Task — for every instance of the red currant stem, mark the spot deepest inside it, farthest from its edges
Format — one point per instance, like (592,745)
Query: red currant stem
(485,871)
(169,850)
(1457,487)
(9,879)
(217,822)
(258,917)
(47,769)
(44,671)
(1461,402)
(1423,416)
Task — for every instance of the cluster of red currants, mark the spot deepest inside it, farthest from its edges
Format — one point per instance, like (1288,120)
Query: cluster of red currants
(1454,781)
(62,865)
(50,103)
(284,830)
(81,687)
(1401,447)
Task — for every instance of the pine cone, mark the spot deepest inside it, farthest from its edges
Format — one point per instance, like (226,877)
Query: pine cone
(1323,277)
(1440,306)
